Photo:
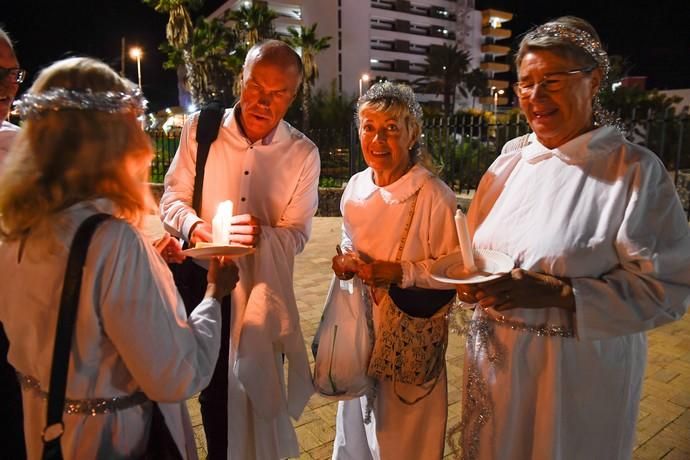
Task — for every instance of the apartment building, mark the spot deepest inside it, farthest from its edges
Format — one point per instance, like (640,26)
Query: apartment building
(390,39)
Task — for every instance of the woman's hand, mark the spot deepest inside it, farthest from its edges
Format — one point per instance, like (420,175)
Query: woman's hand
(467,293)
(345,266)
(379,273)
(169,248)
(222,277)
(524,289)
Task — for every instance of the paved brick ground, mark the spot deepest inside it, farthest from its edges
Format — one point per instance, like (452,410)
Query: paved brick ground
(664,424)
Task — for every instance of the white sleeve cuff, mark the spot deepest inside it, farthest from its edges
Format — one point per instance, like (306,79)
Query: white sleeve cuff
(187,225)
(407,276)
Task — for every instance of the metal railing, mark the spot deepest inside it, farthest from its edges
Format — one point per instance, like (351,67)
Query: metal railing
(464,146)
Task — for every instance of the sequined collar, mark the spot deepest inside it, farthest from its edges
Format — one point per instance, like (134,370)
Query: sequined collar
(397,192)
(592,143)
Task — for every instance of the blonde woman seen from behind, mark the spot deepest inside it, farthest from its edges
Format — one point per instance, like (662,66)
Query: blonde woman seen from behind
(81,152)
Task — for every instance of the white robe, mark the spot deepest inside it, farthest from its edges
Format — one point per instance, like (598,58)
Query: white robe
(131,334)
(602,212)
(373,220)
(276,180)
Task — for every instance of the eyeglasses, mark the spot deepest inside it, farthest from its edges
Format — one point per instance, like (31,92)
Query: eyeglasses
(551,82)
(16,74)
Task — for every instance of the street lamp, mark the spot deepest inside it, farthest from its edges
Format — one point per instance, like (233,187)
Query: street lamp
(495,93)
(364,78)
(136,53)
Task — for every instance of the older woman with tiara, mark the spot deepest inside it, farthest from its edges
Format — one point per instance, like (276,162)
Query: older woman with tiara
(556,352)
(397,219)
(82,152)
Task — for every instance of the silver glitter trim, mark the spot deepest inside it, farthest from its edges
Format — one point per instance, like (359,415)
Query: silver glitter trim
(394,91)
(33,105)
(90,407)
(477,405)
(541,330)
(577,37)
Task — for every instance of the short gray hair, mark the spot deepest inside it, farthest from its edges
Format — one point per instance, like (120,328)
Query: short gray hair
(277,52)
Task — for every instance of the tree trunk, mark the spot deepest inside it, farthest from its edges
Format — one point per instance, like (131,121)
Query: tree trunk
(306,94)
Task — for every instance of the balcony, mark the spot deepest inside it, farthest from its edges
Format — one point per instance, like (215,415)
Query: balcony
(497,34)
(495,18)
(498,84)
(495,67)
(489,101)
(495,50)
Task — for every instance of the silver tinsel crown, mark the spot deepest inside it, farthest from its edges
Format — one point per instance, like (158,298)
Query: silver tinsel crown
(33,105)
(577,37)
(394,91)
(594,49)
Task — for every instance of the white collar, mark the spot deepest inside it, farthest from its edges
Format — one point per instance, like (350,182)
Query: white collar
(397,192)
(277,134)
(585,146)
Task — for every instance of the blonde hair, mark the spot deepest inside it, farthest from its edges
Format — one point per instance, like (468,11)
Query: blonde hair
(68,156)
(398,101)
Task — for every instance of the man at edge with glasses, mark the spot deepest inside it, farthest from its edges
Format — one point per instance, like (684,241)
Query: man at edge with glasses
(12,436)
(10,77)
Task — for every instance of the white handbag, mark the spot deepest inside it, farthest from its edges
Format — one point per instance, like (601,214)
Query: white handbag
(344,342)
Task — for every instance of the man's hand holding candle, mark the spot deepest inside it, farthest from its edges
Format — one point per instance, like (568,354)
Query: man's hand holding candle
(226,228)
(245,229)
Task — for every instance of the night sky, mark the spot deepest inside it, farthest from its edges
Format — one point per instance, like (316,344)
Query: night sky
(654,36)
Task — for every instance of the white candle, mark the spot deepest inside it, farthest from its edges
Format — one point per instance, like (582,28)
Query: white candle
(465,242)
(221,223)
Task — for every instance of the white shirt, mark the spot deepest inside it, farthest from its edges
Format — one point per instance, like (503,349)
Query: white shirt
(604,213)
(131,334)
(276,180)
(8,132)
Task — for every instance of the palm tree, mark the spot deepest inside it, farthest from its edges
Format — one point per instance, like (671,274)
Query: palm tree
(211,66)
(305,39)
(179,27)
(252,24)
(477,84)
(177,32)
(446,71)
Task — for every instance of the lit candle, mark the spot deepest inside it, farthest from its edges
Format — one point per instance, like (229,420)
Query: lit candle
(221,223)
(465,242)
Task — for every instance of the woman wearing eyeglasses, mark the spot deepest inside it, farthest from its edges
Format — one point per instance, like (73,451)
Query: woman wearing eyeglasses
(556,349)
(10,78)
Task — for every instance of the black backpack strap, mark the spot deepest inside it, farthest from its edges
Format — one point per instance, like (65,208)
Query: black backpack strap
(67,315)
(206,132)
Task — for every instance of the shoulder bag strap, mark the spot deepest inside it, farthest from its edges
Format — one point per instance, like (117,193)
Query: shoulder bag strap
(210,118)
(408,224)
(67,314)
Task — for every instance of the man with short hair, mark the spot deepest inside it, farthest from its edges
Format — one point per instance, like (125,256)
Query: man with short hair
(270,171)
(12,435)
